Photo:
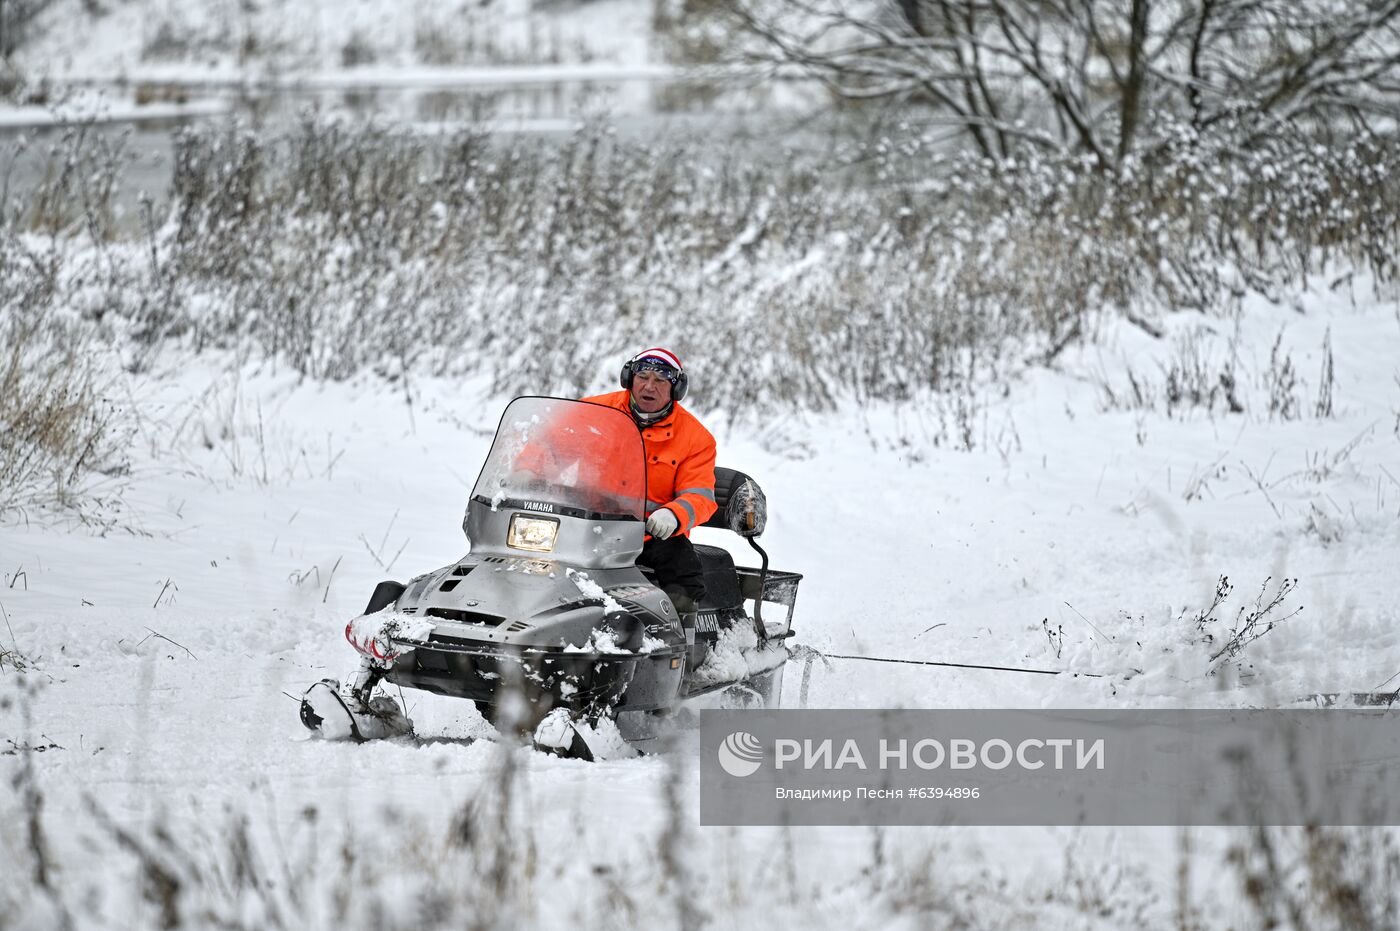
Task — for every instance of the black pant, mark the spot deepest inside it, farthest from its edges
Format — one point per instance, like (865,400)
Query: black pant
(678,571)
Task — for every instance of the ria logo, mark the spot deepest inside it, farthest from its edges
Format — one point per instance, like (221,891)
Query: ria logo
(741,754)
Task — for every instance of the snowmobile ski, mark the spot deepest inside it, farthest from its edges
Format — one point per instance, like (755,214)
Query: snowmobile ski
(327,714)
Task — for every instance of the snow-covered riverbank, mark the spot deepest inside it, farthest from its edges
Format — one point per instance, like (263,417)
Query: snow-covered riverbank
(161,656)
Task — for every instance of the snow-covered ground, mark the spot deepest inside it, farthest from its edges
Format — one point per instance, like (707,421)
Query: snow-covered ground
(164,657)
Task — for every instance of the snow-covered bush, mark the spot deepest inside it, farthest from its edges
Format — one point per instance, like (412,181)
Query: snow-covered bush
(1175,655)
(784,282)
(787,281)
(61,440)
(1318,877)
(1213,373)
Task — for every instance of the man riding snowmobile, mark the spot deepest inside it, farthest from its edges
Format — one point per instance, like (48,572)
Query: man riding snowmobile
(680,456)
(680,487)
(550,624)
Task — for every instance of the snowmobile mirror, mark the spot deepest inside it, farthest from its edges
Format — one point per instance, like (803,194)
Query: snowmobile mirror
(752,509)
(743,508)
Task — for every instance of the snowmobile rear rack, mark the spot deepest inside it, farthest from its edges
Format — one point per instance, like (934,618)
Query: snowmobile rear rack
(769,585)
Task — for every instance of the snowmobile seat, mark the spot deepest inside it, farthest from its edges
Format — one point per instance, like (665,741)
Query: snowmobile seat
(722,591)
(721,580)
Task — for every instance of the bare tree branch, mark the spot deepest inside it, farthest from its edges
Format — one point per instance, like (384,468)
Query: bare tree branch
(1102,77)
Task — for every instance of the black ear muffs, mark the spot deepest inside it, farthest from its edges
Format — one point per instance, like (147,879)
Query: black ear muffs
(678,389)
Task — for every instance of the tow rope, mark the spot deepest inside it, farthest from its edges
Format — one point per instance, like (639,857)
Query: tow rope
(931,662)
(1370,699)
(810,653)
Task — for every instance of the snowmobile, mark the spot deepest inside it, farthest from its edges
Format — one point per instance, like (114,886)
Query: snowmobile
(548,625)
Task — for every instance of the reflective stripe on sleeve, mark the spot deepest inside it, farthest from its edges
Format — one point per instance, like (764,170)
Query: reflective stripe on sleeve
(688,509)
(707,493)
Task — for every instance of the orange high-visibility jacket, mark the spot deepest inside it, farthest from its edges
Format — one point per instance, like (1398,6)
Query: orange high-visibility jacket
(680,463)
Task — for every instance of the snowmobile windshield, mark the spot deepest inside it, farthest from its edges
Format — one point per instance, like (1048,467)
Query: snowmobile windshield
(566,457)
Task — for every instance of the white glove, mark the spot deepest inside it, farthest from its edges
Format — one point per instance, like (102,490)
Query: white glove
(662,523)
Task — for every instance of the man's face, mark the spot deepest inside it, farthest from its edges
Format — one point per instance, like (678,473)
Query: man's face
(651,391)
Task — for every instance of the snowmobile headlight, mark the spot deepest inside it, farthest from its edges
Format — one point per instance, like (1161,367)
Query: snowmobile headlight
(536,534)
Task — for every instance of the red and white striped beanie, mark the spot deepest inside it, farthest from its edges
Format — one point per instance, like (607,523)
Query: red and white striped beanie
(660,360)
